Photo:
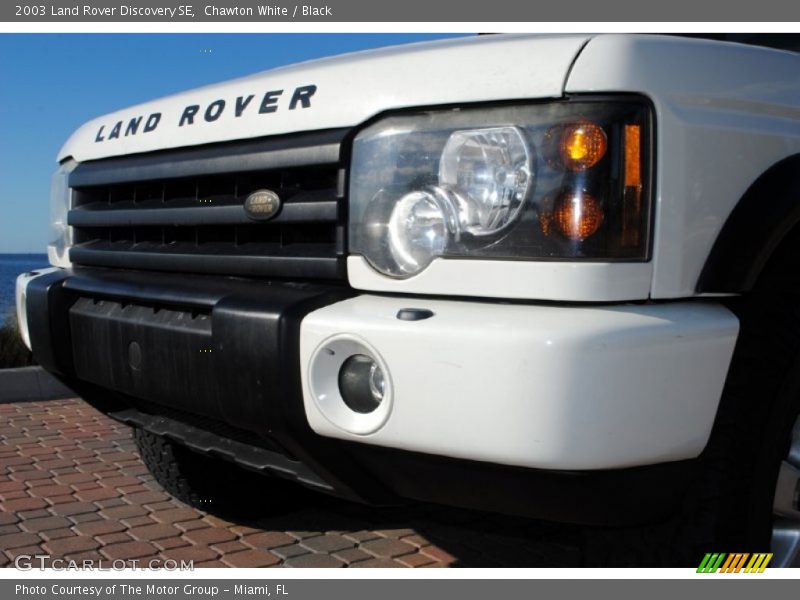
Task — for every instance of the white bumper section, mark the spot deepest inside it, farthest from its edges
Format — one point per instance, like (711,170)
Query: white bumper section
(536,386)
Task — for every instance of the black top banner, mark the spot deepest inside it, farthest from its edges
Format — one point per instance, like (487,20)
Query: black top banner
(473,11)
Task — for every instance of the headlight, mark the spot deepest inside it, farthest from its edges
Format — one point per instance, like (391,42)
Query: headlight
(488,173)
(564,180)
(60,204)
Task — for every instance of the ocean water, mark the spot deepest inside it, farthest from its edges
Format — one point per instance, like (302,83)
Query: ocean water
(12,265)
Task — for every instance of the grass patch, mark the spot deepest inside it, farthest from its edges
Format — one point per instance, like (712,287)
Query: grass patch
(13,352)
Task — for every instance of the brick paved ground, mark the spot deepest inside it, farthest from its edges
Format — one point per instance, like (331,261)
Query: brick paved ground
(72,486)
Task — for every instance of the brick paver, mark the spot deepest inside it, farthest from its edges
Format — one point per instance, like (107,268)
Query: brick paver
(251,558)
(72,485)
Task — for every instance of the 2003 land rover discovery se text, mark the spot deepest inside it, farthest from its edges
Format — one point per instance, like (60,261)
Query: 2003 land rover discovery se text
(553,276)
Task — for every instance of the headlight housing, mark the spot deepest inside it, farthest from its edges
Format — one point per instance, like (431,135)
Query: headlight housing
(60,204)
(563,180)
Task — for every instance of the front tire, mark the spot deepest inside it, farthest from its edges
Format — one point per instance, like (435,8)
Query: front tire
(729,506)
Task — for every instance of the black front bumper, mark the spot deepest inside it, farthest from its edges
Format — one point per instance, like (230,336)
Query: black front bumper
(213,363)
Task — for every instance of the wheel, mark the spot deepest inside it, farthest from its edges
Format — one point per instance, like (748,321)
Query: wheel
(211,484)
(786,525)
(744,495)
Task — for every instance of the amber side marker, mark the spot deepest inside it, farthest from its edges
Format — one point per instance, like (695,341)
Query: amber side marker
(632,194)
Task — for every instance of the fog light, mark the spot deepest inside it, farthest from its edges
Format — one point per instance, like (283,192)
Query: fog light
(361,384)
(350,384)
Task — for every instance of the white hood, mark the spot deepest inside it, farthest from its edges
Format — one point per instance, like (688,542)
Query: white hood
(341,91)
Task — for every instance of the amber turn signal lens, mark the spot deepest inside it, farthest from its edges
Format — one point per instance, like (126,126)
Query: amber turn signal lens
(577,215)
(582,145)
(633,149)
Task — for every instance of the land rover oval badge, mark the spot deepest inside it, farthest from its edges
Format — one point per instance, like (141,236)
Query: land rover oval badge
(262,205)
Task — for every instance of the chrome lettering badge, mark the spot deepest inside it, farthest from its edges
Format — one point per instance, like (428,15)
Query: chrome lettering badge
(262,205)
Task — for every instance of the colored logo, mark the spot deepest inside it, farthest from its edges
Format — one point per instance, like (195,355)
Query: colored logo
(714,562)
(262,205)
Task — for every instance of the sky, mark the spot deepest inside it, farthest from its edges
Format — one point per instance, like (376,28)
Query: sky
(50,84)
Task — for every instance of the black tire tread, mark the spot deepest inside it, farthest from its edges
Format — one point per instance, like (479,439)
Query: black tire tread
(164,463)
(209,483)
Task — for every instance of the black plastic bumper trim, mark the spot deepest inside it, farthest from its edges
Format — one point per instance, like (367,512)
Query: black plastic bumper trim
(250,354)
(206,442)
(48,327)
(161,288)
(610,497)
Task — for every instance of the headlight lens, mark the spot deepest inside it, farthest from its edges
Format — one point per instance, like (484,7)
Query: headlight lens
(538,182)
(417,232)
(489,173)
(60,204)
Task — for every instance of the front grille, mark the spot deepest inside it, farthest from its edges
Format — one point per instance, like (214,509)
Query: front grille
(184,210)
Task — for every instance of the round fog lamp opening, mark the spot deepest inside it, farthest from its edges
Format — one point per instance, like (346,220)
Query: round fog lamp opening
(361,384)
(350,385)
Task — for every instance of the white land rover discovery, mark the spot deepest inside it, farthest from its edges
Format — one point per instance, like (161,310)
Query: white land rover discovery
(555,276)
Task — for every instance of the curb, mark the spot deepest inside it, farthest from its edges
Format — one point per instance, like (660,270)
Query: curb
(29,384)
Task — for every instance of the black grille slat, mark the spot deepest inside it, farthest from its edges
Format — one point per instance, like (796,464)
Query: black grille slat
(198,223)
(128,256)
(99,215)
(280,152)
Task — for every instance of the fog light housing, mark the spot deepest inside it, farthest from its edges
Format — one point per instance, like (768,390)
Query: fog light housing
(350,384)
(361,384)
